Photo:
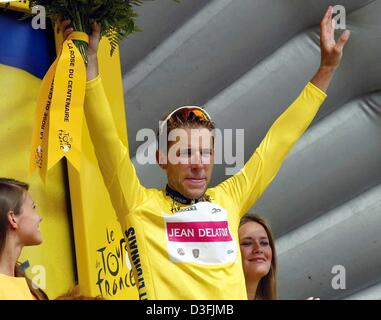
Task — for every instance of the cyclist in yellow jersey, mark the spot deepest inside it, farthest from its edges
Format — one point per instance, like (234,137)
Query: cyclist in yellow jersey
(182,240)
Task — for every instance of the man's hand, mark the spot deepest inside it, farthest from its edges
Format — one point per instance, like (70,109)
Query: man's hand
(94,38)
(331,51)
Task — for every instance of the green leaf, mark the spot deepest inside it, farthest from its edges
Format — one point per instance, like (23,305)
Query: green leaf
(117,17)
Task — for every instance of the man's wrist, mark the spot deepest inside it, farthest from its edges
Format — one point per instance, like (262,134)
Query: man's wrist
(327,69)
(92,67)
(92,57)
(323,77)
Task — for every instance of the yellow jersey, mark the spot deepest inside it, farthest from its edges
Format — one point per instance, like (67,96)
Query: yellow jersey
(190,251)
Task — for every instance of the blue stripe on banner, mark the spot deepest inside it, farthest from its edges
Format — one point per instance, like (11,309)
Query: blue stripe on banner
(23,47)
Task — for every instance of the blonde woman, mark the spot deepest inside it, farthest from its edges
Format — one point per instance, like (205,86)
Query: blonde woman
(258,257)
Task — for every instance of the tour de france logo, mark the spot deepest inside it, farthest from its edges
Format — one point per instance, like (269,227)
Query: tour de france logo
(65,140)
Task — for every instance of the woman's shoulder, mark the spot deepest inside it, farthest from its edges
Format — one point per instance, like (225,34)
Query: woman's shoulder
(14,288)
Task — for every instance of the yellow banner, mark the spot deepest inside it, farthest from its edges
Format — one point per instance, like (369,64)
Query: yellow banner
(58,123)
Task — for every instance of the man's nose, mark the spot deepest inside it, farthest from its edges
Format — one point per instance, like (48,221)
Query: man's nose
(196,160)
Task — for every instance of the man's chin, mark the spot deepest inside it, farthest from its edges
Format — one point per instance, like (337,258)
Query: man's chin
(194,190)
(195,193)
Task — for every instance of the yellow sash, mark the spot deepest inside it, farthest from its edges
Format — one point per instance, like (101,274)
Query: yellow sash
(59,114)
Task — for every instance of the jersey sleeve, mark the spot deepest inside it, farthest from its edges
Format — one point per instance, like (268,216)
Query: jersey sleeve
(251,181)
(113,156)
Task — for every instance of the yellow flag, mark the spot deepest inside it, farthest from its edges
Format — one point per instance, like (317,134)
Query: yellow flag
(59,115)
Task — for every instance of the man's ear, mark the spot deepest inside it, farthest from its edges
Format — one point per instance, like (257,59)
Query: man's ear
(161,159)
(12,219)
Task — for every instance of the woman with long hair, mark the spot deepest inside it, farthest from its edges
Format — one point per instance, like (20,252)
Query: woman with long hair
(19,227)
(258,257)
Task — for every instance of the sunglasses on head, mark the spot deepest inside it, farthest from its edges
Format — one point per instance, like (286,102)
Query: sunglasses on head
(185,113)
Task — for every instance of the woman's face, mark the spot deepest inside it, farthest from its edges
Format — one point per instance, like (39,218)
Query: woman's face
(255,249)
(28,222)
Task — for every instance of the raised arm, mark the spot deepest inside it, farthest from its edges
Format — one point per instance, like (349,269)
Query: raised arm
(113,156)
(249,184)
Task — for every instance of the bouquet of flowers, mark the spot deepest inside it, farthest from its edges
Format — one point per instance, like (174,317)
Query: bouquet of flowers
(117,17)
